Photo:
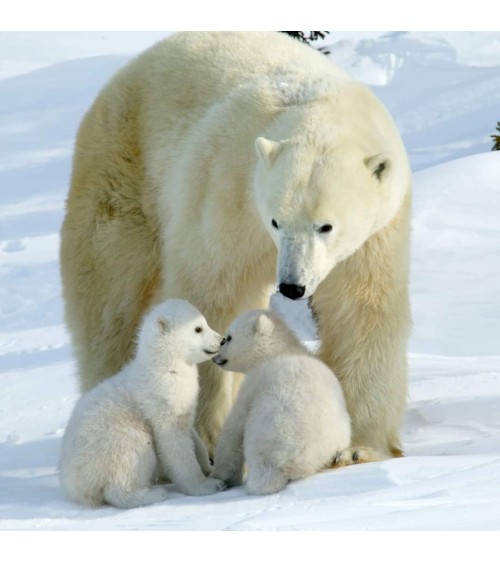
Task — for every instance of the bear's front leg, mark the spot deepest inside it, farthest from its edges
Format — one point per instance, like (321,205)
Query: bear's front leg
(229,459)
(229,455)
(214,403)
(201,453)
(373,379)
(364,324)
(176,450)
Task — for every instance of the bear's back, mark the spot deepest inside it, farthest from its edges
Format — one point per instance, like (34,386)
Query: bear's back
(223,60)
(193,69)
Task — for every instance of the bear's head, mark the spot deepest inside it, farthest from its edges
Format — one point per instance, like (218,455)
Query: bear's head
(323,192)
(253,337)
(175,330)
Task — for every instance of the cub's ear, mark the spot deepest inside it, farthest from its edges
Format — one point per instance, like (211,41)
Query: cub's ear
(163,325)
(379,165)
(264,325)
(267,150)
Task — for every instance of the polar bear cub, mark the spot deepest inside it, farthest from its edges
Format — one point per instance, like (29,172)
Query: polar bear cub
(137,426)
(289,420)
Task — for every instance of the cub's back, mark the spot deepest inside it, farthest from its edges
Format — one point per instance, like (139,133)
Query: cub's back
(298,416)
(300,389)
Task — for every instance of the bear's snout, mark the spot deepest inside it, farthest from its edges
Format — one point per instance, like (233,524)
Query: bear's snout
(292,291)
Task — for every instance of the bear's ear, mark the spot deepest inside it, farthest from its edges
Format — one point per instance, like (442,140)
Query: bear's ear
(379,165)
(264,325)
(163,325)
(267,150)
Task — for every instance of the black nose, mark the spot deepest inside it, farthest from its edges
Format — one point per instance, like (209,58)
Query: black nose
(292,291)
(222,342)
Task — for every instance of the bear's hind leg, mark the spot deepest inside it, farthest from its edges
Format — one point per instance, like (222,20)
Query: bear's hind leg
(214,403)
(117,496)
(264,479)
(131,468)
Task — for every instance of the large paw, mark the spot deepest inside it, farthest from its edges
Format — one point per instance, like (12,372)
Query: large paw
(353,456)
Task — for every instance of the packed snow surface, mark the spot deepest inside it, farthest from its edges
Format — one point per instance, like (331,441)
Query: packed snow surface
(443,89)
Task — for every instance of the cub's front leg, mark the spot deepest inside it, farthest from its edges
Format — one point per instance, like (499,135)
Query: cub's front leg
(229,455)
(201,453)
(176,450)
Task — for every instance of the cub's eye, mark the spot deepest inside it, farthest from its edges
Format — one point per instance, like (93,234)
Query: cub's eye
(229,338)
(198,329)
(325,228)
(274,224)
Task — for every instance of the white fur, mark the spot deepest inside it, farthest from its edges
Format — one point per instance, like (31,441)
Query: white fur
(182,163)
(293,188)
(289,420)
(137,426)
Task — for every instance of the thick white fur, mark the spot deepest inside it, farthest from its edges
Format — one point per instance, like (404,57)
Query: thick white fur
(289,420)
(137,426)
(181,165)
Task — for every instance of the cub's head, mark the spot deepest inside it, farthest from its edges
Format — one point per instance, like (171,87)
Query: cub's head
(253,337)
(322,193)
(176,329)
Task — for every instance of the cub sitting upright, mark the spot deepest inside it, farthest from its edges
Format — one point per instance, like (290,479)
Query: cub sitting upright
(289,420)
(137,426)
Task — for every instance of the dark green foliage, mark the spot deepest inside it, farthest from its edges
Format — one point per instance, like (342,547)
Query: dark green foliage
(496,139)
(313,36)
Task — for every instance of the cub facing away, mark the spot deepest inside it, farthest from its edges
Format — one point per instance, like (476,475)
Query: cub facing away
(138,425)
(289,420)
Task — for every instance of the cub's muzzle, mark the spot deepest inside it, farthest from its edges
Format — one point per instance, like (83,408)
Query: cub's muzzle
(219,360)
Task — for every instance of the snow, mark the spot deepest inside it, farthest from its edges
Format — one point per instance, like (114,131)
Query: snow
(442,89)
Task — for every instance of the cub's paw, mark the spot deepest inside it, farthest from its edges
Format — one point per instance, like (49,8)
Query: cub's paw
(229,480)
(209,487)
(205,467)
(236,481)
(353,456)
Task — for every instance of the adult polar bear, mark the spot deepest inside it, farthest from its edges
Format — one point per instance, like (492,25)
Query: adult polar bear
(214,167)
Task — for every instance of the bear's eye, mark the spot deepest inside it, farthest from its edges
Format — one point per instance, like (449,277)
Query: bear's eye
(379,170)
(198,329)
(274,224)
(325,228)
(229,338)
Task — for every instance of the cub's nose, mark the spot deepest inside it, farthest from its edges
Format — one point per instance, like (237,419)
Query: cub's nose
(219,360)
(292,291)
(222,342)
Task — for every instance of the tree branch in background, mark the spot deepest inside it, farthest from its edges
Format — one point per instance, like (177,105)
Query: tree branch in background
(496,139)
(313,36)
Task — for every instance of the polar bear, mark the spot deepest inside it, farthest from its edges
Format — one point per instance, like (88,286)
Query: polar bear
(289,420)
(138,425)
(219,167)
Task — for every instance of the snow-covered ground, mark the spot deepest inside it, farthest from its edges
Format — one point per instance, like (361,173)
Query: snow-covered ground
(444,92)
